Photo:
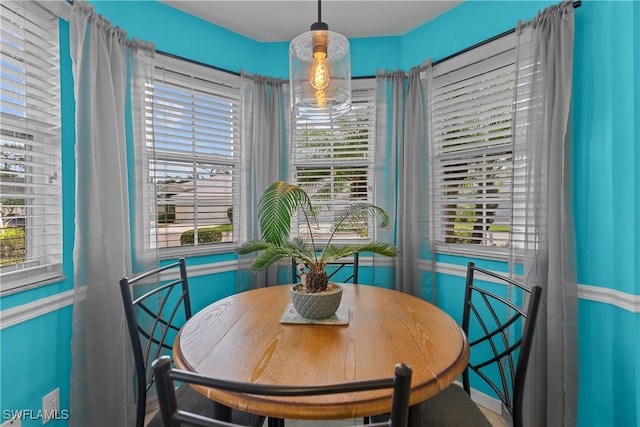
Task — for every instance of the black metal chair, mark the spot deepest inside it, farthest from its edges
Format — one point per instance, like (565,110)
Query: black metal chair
(499,324)
(337,270)
(173,415)
(153,320)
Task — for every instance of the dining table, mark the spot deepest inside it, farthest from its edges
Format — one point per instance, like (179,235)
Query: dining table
(256,336)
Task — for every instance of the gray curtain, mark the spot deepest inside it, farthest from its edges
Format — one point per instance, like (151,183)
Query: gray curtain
(543,101)
(264,156)
(402,175)
(102,370)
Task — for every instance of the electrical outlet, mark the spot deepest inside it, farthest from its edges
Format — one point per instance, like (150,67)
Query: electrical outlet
(50,405)
(13,422)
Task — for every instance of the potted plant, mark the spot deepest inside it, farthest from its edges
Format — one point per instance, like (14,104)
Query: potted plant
(276,207)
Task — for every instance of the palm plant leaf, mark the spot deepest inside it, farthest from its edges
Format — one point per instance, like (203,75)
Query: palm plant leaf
(380,248)
(269,256)
(253,246)
(276,207)
(304,251)
(332,253)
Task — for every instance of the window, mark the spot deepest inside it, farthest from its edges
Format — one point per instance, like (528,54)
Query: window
(471,148)
(333,161)
(195,118)
(31,212)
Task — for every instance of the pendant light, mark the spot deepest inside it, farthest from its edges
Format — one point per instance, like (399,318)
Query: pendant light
(320,73)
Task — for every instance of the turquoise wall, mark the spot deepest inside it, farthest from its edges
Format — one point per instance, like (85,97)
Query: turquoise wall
(606,123)
(178,33)
(607,152)
(35,354)
(464,26)
(609,392)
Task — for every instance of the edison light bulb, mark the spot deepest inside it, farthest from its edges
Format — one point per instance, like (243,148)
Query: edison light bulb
(319,71)
(321,98)
(319,77)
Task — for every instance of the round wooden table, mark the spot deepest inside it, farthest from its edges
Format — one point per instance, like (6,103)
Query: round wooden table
(241,338)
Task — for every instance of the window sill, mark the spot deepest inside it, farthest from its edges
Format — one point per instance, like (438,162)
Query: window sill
(18,287)
(479,252)
(189,251)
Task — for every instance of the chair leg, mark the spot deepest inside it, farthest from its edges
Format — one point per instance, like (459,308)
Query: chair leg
(275,422)
(221,412)
(414,416)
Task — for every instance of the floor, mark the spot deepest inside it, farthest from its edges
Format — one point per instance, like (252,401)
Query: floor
(495,419)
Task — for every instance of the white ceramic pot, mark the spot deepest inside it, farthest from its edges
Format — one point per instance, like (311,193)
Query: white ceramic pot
(318,305)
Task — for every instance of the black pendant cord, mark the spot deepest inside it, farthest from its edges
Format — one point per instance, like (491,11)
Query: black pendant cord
(319,25)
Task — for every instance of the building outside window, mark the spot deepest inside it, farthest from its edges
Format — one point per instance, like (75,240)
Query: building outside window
(194,115)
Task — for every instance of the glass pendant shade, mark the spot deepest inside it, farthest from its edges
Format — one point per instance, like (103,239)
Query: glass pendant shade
(320,74)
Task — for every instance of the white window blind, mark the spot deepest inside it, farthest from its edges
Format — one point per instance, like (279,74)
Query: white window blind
(333,161)
(471,114)
(195,117)
(31,233)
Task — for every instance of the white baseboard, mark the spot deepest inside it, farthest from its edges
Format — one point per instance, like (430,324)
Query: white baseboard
(491,403)
(484,400)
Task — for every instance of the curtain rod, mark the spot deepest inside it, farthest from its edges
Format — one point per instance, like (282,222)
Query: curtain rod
(576,4)
(193,61)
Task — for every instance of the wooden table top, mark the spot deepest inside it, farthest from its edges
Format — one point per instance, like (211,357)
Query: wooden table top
(240,338)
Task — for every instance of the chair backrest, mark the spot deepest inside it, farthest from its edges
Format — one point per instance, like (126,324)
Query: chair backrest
(500,334)
(153,320)
(338,269)
(173,416)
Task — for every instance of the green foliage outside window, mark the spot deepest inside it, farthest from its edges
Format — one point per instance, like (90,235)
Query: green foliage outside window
(166,217)
(12,246)
(205,235)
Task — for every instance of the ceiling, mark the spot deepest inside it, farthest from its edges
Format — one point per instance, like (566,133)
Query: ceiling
(268,21)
